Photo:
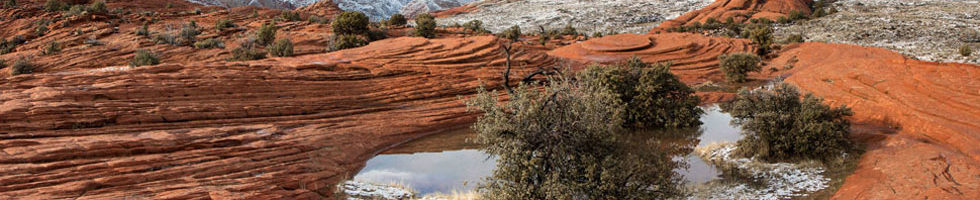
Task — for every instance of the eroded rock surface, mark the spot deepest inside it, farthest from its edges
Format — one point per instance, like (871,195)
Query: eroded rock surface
(740,11)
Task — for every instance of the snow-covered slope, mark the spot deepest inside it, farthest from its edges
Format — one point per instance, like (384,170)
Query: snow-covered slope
(375,9)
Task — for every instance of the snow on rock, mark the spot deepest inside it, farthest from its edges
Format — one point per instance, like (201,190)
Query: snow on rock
(362,190)
(778,180)
(382,9)
(621,16)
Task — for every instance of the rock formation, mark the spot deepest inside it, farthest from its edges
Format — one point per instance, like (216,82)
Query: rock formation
(740,11)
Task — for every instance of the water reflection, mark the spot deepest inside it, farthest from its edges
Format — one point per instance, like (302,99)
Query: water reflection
(449,162)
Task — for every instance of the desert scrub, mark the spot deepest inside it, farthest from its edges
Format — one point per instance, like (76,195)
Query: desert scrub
(223,24)
(513,33)
(144,57)
(738,65)
(281,48)
(266,34)
(52,48)
(9,4)
(425,25)
(654,97)
(350,22)
(55,5)
(210,43)
(248,50)
(761,35)
(476,26)
(397,20)
(290,16)
(188,34)
(97,7)
(779,126)
(21,66)
(346,42)
(794,38)
(7,46)
(143,30)
(965,50)
(569,30)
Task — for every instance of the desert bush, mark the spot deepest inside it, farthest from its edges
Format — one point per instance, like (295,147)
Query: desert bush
(376,34)
(223,24)
(55,5)
(794,38)
(144,57)
(52,48)
(476,26)
(569,30)
(397,20)
(737,65)
(98,7)
(7,46)
(9,4)
(318,20)
(266,34)
(75,10)
(350,22)
(965,50)
(165,38)
(796,15)
(779,126)
(761,36)
(3,63)
(21,66)
(189,33)
(210,43)
(248,50)
(347,42)
(513,33)
(281,48)
(290,16)
(41,30)
(655,97)
(425,25)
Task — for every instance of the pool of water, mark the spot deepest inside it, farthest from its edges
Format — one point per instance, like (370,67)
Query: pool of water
(449,162)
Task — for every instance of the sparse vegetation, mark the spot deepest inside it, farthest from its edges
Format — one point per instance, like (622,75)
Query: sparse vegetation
(188,34)
(476,26)
(779,126)
(290,16)
(21,66)
(513,33)
(7,46)
(144,57)
(737,66)
(794,38)
(248,50)
(569,30)
(761,36)
(9,4)
(98,7)
(223,24)
(166,38)
(55,5)
(266,34)
(350,23)
(965,50)
(397,20)
(796,15)
(210,43)
(425,25)
(281,48)
(52,48)
(347,42)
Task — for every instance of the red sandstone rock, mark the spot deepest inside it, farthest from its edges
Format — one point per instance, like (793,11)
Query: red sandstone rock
(739,11)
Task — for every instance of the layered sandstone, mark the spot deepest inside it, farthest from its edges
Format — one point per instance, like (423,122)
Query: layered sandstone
(739,11)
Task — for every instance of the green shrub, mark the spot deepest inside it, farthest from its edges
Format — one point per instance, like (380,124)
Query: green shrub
(22,66)
(7,46)
(76,10)
(569,30)
(778,126)
(290,16)
(210,43)
(655,97)
(794,38)
(761,36)
(247,51)
(737,66)
(98,7)
(347,42)
(965,50)
(144,57)
(55,5)
(796,15)
(223,24)
(3,63)
(318,20)
(10,4)
(166,38)
(188,34)
(41,30)
(281,48)
(350,22)
(266,34)
(475,25)
(397,20)
(52,48)
(513,33)
(425,25)
(375,35)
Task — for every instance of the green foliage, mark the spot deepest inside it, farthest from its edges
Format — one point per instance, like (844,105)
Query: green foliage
(318,20)
(210,43)
(476,26)
(41,29)
(144,57)
(248,50)
(425,25)
(375,35)
(350,22)
(778,126)
(569,30)
(347,42)
(266,34)
(9,4)
(397,20)
(7,46)
(654,97)
(796,15)
(98,7)
(965,50)
(567,141)
(737,65)
(223,24)
(52,48)
(76,10)
(55,5)
(3,63)
(761,36)
(513,33)
(188,34)
(290,16)
(166,38)
(794,38)
(22,66)
(281,48)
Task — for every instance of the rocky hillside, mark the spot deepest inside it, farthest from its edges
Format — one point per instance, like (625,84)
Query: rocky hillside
(375,9)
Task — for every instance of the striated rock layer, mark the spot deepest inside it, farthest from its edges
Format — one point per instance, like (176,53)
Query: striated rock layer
(283,128)
(694,57)
(920,120)
(739,11)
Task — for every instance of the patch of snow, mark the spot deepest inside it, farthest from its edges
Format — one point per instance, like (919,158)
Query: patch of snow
(779,180)
(362,190)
